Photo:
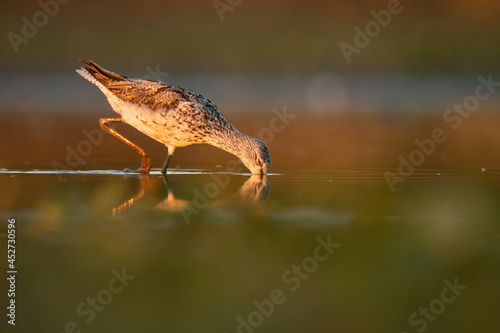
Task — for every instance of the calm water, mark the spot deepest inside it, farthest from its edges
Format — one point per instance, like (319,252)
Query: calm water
(322,244)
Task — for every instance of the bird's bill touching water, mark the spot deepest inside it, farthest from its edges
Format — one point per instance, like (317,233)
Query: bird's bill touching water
(256,157)
(174,116)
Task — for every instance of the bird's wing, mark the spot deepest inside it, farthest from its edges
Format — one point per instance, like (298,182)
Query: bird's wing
(156,95)
(153,94)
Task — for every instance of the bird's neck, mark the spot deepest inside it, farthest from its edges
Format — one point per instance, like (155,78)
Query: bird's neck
(232,141)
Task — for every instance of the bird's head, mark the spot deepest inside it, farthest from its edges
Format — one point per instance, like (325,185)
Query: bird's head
(255,156)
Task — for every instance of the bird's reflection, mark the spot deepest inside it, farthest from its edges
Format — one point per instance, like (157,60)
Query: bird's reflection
(255,190)
(144,178)
(171,203)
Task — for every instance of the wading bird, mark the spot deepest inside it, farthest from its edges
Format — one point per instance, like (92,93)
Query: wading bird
(172,115)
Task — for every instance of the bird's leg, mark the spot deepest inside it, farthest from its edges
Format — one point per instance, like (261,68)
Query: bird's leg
(167,160)
(145,165)
(165,165)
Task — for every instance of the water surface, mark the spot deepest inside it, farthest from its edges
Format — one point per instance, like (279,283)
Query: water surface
(322,244)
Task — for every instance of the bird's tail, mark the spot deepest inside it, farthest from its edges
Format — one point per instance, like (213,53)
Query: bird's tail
(98,75)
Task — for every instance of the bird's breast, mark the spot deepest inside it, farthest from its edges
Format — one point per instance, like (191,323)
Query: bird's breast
(170,127)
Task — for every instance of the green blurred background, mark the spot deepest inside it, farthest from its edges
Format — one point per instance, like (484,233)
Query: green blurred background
(352,122)
(257,36)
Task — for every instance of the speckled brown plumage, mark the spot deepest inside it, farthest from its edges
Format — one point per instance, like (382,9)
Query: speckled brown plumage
(175,116)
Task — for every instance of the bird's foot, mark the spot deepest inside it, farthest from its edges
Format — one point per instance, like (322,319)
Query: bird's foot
(145,165)
(143,169)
